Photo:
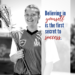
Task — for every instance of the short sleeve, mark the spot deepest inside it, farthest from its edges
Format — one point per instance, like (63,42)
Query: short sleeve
(13,48)
(51,51)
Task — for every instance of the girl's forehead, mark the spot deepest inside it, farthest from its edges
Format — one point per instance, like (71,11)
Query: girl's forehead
(31,11)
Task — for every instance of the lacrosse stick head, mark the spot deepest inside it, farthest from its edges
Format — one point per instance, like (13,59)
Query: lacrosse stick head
(5,14)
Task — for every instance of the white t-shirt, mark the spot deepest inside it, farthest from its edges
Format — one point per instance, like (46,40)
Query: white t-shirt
(49,47)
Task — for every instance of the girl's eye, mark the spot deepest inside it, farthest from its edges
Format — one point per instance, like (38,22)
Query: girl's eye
(33,14)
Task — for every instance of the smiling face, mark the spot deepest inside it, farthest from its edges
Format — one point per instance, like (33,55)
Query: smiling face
(31,17)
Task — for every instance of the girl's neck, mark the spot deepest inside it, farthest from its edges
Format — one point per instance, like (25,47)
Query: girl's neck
(32,29)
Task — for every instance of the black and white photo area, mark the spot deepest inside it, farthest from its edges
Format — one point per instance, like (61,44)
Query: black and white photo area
(18,15)
(72,38)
